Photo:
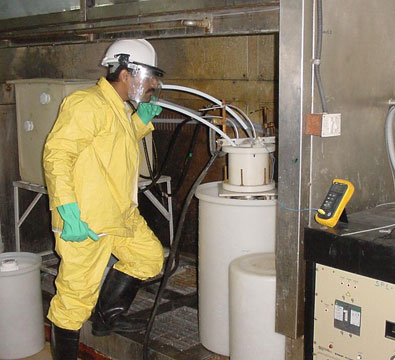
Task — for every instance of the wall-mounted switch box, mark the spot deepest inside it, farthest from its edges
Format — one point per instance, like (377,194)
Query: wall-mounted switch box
(324,125)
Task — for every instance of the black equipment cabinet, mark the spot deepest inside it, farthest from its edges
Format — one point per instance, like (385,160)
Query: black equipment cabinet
(365,259)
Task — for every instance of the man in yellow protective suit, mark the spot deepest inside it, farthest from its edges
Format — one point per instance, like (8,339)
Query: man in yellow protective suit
(91,162)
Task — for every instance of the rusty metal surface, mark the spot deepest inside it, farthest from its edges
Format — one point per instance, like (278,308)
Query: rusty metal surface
(8,172)
(149,19)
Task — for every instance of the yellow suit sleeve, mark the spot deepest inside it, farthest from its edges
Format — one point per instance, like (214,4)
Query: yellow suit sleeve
(74,129)
(141,130)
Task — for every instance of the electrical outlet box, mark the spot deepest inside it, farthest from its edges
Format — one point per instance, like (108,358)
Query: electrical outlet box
(324,125)
(331,125)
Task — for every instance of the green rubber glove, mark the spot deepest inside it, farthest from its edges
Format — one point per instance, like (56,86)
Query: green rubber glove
(74,229)
(147,111)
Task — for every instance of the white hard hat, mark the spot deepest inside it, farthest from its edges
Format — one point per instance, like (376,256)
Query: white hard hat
(134,51)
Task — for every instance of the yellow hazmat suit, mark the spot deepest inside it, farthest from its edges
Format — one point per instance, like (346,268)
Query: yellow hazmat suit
(91,157)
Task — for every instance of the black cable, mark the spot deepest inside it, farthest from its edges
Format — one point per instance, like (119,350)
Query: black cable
(389,235)
(317,60)
(155,155)
(169,268)
(188,159)
(167,156)
(147,160)
(154,160)
(152,173)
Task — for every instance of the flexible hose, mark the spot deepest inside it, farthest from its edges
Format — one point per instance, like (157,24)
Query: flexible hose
(170,268)
(187,160)
(167,156)
(211,99)
(154,168)
(148,160)
(246,118)
(317,60)
(389,139)
(228,121)
(212,140)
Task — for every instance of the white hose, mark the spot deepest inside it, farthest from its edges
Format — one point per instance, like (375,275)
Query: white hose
(210,98)
(389,138)
(230,121)
(192,114)
(245,117)
(212,141)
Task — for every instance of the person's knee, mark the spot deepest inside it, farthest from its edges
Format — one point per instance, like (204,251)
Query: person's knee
(157,257)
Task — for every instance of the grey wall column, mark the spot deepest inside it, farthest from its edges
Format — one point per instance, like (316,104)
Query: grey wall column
(294,89)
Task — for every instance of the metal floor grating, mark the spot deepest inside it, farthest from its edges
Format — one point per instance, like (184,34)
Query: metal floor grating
(184,280)
(177,328)
(175,331)
(144,301)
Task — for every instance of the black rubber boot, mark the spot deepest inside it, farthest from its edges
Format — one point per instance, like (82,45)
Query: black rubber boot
(116,295)
(64,343)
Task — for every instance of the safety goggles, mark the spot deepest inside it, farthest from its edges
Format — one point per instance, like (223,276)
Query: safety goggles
(145,82)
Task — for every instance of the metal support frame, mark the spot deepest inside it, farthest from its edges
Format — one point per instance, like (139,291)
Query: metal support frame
(41,190)
(167,213)
(293,162)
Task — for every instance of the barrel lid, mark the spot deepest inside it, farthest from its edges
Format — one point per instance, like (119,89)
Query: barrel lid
(8,265)
(210,192)
(246,146)
(261,264)
(17,263)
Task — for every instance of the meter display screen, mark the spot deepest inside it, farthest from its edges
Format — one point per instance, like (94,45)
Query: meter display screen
(338,187)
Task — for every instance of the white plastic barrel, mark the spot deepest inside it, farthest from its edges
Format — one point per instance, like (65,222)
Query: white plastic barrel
(21,311)
(252,301)
(228,229)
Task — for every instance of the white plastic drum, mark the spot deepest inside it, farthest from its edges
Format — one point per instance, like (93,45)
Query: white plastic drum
(228,229)
(252,302)
(21,309)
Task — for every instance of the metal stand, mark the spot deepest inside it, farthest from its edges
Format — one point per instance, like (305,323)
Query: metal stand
(40,190)
(167,212)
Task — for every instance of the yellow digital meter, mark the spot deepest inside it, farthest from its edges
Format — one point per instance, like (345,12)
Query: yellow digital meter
(334,203)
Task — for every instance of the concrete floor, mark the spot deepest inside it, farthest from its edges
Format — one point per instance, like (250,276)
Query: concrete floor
(44,354)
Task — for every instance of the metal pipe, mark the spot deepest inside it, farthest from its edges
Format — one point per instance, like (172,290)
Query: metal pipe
(312,71)
(389,138)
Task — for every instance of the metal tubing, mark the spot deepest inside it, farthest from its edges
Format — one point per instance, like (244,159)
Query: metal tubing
(29,209)
(16,219)
(167,213)
(156,203)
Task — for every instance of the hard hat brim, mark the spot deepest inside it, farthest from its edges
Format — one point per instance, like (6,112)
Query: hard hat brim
(155,70)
